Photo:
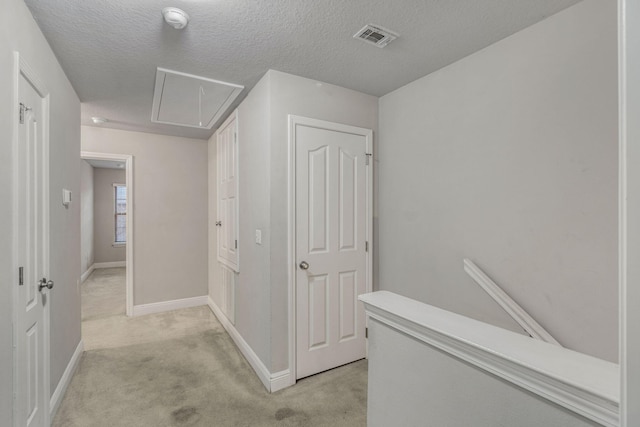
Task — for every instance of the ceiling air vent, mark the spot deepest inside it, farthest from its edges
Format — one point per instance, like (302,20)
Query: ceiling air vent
(375,35)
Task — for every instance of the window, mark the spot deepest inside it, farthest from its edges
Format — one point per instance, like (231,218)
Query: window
(120,203)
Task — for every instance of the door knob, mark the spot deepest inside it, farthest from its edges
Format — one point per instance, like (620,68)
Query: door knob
(304,265)
(44,283)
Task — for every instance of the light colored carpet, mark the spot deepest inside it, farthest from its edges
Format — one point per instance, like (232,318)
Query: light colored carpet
(181,368)
(103,293)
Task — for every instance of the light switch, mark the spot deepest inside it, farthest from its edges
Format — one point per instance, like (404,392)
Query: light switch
(259,237)
(66,197)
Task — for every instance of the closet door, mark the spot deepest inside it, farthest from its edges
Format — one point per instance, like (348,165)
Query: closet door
(333,218)
(227,203)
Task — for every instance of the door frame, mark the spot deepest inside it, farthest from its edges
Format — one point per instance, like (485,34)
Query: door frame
(628,210)
(294,121)
(21,67)
(128,159)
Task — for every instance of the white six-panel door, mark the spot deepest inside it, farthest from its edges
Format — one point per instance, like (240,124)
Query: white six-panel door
(332,222)
(32,393)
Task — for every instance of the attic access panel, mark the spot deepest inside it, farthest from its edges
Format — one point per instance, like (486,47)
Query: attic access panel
(183,99)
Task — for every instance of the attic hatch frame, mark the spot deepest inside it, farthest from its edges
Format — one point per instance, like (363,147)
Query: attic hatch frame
(161,75)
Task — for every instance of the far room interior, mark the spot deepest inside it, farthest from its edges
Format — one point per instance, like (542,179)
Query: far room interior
(103,199)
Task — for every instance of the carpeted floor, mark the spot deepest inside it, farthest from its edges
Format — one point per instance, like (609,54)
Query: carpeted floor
(181,368)
(103,294)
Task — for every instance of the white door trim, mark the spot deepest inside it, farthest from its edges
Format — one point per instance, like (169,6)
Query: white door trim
(128,159)
(21,67)
(628,210)
(291,219)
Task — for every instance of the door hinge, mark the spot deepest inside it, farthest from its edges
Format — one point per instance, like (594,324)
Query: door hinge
(366,246)
(367,157)
(366,332)
(236,244)
(23,109)
(20,276)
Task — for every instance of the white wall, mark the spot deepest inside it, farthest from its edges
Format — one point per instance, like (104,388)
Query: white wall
(262,285)
(170,210)
(309,98)
(86,217)
(252,310)
(414,384)
(19,32)
(509,157)
(104,219)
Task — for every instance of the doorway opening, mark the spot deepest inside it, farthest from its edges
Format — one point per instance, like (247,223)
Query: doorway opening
(107,234)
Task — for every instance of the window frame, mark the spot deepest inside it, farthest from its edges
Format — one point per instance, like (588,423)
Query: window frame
(117,243)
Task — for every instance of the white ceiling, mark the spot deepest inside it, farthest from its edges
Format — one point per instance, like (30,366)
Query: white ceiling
(110,49)
(106,164)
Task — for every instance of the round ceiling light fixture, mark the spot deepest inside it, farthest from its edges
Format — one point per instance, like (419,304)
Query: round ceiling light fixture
(175,17)
(99,120)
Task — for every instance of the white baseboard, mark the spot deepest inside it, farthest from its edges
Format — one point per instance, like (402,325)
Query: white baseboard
(272,382)
(112,264)
(58,394)
(87,273)
(176,304)
(280,380)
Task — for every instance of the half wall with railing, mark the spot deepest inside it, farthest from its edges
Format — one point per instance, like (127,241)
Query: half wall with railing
(431,367)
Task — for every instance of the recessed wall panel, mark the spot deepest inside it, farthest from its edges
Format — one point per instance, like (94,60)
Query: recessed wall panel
(318,200)
(348,304)
(318,311)
(348,206)
(32,371)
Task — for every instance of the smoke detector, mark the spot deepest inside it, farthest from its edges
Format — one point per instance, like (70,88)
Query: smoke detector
(376,35)
(175,17)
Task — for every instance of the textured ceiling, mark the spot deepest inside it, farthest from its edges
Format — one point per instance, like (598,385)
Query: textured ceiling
(110,48)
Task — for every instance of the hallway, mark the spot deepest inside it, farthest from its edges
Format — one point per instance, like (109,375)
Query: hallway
(181,368)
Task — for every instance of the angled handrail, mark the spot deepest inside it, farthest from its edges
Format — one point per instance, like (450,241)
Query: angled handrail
(528,323)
